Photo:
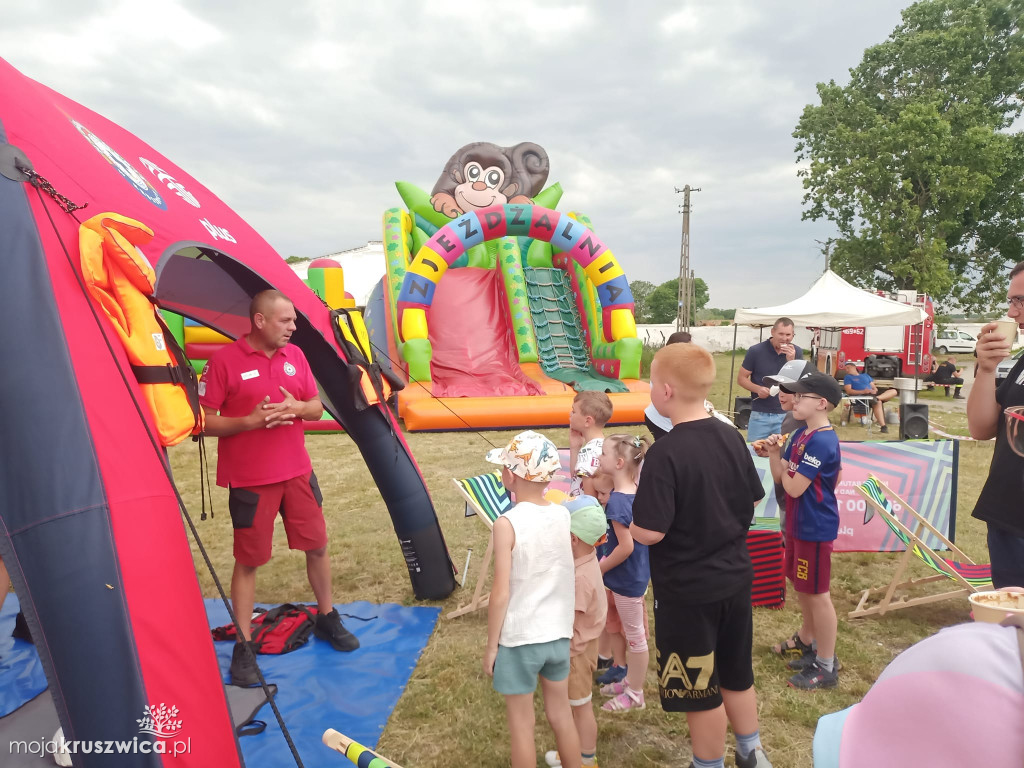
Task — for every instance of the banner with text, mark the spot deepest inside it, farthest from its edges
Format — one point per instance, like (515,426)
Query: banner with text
(922,472)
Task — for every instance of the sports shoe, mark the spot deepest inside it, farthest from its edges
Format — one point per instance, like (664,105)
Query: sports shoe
(813,676)
(243,666)
(624,701)
(329,627)
(603,663)
(756,759)
(884,428)
(554,761)
(809,658)
(614,674)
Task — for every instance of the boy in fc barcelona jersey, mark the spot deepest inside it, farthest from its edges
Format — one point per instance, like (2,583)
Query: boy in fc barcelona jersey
(808,469)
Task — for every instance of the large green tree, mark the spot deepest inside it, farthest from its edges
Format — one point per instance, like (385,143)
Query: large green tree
(641,290)
(916,160)
(663,303)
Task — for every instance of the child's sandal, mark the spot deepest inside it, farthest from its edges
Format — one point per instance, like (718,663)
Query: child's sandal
(614,689)
(623,702)
(791,648)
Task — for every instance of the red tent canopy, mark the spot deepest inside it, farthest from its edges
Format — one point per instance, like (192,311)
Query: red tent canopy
(89,522)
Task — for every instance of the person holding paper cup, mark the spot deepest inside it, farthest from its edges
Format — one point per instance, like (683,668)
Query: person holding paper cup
(999,504)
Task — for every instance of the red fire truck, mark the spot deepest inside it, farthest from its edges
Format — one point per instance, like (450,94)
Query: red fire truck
(883,352)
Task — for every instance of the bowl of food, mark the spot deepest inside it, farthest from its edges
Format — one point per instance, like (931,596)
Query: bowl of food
(992,606)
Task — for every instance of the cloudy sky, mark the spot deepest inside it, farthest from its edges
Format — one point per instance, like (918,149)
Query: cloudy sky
(302,114)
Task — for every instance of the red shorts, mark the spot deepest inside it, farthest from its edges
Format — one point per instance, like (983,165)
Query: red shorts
(809,565)
(254,511)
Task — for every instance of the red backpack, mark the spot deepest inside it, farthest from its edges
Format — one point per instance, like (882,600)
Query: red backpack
(279,630)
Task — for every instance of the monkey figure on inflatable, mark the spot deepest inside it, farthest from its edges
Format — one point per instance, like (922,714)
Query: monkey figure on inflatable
(483,174)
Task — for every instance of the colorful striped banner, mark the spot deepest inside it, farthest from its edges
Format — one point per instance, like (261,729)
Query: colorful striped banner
(921,471)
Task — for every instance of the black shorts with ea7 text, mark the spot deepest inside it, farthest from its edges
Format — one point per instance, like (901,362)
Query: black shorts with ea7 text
(703,648)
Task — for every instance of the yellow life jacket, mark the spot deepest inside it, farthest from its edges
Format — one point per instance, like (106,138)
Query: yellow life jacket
(375,384)
(122,282)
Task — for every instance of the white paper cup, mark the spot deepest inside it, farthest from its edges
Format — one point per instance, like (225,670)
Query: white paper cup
(993,605)
(1007,329)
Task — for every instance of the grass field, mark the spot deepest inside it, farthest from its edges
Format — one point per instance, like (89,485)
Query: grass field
(449,716)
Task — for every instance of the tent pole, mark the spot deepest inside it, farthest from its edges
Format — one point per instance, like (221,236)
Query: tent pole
(732,366)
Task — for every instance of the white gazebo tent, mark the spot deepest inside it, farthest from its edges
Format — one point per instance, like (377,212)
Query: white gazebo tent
(831,303)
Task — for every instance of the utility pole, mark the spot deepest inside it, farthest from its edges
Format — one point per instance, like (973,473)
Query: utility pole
(685,296)
(826,248)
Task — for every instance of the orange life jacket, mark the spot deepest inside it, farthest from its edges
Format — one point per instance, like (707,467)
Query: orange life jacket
(375,384)
(122,282)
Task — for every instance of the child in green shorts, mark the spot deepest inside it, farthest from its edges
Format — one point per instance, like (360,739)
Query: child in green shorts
(531,607)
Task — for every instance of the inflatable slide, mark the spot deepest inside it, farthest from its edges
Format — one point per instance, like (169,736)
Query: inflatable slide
(499,313)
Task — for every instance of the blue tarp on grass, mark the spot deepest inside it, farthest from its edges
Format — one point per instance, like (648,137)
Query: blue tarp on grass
(21,673)
(318,688)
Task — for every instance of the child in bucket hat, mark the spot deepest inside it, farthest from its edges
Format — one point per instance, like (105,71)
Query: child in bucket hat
(531,607)
(530,456)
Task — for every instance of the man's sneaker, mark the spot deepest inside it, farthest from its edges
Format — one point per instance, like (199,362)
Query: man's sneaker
(884,428)
(756,759)
(243,666)
(809,658)
(329,627)
(614,674)
(813,677)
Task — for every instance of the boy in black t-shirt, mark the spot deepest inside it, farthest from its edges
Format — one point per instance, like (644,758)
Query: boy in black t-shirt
(694,504)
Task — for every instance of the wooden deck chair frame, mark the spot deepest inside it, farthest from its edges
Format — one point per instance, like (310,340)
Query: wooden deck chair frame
(887,603)
(480,599)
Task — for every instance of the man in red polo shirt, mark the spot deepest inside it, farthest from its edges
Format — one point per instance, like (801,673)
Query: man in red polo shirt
(256,393)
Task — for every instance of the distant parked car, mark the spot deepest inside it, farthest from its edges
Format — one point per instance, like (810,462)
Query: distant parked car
(952,340)
(1004,368)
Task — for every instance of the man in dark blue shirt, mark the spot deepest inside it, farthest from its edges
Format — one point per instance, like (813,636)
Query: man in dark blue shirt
(860,384)
(767,359)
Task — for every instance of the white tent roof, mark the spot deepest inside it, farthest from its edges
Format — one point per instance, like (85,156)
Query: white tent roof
(833,303)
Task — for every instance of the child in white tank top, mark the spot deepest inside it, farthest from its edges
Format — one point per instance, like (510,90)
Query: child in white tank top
(531,607)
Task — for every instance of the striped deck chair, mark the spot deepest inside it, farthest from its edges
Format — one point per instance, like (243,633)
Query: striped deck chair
(964,572)
(486,498)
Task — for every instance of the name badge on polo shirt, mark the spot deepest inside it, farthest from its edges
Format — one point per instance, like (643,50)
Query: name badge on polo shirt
(289,369)
(250,375)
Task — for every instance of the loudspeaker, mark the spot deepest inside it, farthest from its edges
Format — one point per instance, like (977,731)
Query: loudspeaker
(913,421)
(742,408)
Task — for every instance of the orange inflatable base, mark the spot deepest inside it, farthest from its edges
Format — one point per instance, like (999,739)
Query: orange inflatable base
(429,414)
